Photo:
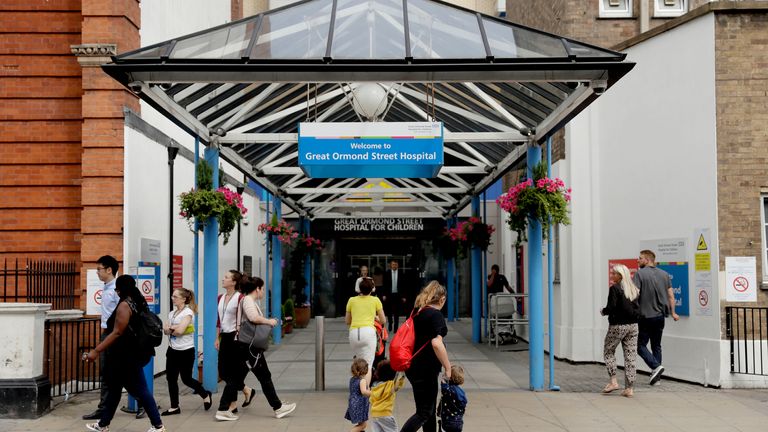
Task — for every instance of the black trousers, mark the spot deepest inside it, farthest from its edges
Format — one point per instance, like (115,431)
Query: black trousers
(425,390)
(232,369)
(258,365)
(180,363)
(393,309)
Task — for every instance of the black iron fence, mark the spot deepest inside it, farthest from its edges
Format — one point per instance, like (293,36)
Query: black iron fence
(43,281)
(65,343)
(747,331)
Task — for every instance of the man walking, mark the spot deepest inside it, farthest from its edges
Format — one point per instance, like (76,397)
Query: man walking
(657,301)
(394,295)
(106,269)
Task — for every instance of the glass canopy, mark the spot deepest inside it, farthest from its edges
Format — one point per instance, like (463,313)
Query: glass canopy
(496,86)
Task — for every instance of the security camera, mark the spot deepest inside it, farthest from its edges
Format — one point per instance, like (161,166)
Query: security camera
(135,87)
(166,86)
(599,86)
(246,221)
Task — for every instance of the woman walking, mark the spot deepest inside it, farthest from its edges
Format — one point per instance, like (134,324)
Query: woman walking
(180,356)
(232,368)
(623,312)
(253,290)
(362,311)
(429,325)
(124,360)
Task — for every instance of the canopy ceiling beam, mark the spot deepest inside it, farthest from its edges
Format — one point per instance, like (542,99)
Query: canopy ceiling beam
(350,190)
(495,105)
(444,169)
(248,106)
(379,204)
(563,112)
(377,214)
(160,98)
(448,136)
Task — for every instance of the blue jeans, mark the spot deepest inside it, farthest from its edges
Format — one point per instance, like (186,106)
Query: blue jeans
(650,329)
(129,375)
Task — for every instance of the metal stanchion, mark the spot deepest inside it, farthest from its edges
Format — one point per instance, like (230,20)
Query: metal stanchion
(320,353)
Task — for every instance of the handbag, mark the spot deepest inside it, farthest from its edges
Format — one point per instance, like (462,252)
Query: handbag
(255,336)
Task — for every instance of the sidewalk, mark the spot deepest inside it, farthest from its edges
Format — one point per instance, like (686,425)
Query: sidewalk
(496,386)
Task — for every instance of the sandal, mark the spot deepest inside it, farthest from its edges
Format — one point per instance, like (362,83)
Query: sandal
(610,387)
(249,398)
(628,393)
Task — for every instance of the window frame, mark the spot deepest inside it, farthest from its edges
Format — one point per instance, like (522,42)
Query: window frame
(660,11)
(764,240)
(605,11)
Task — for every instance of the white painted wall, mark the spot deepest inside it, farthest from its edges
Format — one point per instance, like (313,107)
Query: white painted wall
(146,215)
(642,162)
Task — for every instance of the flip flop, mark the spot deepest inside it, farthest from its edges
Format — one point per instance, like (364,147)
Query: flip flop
(609,388)
(628,393)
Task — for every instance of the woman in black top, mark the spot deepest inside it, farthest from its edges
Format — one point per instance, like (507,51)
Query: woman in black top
(623,312)
(430,328)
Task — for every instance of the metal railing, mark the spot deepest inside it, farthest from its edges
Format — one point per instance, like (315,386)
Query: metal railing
(65,343)
(747,331)
(51,282)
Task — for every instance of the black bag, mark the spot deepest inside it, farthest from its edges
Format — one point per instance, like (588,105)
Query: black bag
(147,328)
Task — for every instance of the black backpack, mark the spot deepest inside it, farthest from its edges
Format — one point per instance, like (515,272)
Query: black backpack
(147,329)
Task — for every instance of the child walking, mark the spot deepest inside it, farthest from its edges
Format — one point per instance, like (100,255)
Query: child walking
(357,411)
(453,402)
(386,382)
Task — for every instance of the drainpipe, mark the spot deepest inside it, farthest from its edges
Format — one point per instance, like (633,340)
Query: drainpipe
(172,152)
(240,190)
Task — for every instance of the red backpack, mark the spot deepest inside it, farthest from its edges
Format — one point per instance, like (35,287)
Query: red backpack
(381,337)
(401,350)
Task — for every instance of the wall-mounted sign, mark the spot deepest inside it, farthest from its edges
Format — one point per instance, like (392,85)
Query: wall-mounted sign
(360,150)
(672,257)
(378,224)
(741,279)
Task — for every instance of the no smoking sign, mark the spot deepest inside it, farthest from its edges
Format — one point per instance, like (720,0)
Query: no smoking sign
(740,284)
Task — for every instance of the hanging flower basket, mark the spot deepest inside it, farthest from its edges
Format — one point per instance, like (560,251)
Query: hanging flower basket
(203,204)
(472,232)
(280,228)
(542,198)
(306,245)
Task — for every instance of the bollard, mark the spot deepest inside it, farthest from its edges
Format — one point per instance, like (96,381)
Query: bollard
(320,353)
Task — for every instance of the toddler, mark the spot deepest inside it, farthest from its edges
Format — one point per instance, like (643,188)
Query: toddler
(357,411)
(385,385)
(453,402)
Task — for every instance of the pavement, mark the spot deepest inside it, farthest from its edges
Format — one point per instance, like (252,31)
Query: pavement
(496,386)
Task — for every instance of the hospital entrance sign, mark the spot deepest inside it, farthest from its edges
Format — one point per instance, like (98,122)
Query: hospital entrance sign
(360,150)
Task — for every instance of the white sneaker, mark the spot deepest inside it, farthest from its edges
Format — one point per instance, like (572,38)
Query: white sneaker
(226,416)
(284,410)
(156,429)
(96,428)
(656,374)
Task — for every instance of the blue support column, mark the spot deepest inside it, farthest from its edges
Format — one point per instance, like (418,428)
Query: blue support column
(456,264)
(535,285)
(483,285)
(450,282)
(267,265)
(475,271)
(307,263)
(196,260)
(211,285)
(277,276)
(550,283)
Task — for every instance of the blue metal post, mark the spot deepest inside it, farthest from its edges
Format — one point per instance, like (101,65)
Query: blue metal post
(307,263)
(196,259)
(483,285)
(535,284)
(449,280)
(267,267)
(456,279)
(477,306)
(277,276)
(211,285)
(550,282)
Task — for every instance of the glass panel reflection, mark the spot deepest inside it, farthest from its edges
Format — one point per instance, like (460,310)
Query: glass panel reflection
(299,32)
(225,43)
(148,53)
(368,29)
(580,50)
(514,42)
(439,31)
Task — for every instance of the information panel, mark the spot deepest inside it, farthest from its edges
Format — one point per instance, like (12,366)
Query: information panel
(360,150)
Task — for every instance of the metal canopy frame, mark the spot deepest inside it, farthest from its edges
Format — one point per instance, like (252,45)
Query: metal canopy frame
(496,86)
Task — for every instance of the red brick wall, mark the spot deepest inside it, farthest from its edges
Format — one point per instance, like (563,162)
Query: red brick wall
(40,106)
(104,22)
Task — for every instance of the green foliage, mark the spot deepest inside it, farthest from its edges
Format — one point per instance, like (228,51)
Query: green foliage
(288,310)
(199,205)
(204,179)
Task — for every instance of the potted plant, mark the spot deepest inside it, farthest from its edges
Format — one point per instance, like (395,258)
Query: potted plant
(302,308)
(539,198)
(201,204)
(288,314)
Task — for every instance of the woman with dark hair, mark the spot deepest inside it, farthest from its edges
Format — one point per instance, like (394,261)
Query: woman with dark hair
(362,311)
(232,369)
(253,290)
(430,328)
(124,363)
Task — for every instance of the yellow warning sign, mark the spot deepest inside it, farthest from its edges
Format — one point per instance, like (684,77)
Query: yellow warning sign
(702,262)
(702,245)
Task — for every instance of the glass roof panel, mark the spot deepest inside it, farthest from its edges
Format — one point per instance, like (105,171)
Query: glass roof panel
(507,41)
(298,32)
(580,50)
(224,43)
(150,52)
(438,31)
(368,29)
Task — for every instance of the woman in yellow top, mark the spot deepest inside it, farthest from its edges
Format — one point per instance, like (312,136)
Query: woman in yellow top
(362,310)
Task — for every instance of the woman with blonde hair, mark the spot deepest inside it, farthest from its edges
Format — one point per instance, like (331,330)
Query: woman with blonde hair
(430,328)
(180,356)
(623,311)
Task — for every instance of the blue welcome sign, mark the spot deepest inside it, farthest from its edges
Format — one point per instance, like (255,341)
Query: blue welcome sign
(360,150)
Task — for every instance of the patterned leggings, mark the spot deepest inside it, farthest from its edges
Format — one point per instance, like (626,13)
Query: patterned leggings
(627,335)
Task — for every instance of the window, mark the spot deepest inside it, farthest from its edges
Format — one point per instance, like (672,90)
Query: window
(616,8)
(669,8)
(764,234)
